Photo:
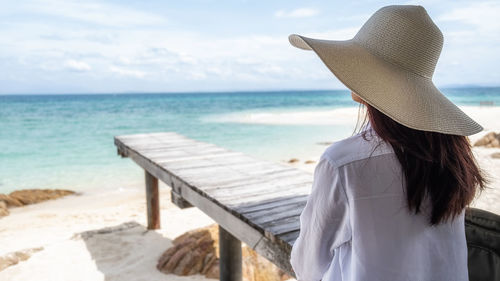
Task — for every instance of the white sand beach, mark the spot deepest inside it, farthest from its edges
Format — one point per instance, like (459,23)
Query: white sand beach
(484,115)
(101,234)
(73,250)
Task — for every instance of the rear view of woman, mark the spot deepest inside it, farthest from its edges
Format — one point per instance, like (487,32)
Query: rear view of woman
(388,203)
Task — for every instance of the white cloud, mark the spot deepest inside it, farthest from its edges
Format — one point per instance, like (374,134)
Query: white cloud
(270,70)
(197,75)
(484,15)
(78,66)
(82,39)
(471,37)
(477,21)
(95,13)
(297,13)
(127,72)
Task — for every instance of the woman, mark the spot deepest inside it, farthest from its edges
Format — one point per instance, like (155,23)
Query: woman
(388,203)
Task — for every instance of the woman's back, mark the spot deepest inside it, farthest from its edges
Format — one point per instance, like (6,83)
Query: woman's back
(359,227)
(391,209)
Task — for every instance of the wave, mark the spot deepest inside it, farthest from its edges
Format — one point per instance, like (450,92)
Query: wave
(338,116)
(487,116)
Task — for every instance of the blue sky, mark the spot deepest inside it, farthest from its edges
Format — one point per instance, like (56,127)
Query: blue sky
(52,46)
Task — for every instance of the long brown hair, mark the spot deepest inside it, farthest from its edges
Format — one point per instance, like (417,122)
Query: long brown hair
(440,166)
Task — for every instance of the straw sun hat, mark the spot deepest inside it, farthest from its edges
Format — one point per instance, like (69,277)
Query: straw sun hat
(389,63)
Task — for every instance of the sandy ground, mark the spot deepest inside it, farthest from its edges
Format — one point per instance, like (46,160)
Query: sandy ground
(78,244)
(488,117)
(489,199)
(72,250)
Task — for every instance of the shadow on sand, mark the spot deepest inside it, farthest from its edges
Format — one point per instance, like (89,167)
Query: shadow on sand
(125,251)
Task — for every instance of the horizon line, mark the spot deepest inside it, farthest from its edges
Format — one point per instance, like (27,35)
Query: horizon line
(217,92)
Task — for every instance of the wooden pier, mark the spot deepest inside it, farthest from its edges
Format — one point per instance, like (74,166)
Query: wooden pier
(254,201)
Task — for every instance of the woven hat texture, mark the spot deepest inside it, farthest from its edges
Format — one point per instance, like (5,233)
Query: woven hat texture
(390,63)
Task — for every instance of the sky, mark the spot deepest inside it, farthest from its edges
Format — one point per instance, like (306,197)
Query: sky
(107,46)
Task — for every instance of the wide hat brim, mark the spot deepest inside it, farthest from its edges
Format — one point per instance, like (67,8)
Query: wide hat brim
(408,98)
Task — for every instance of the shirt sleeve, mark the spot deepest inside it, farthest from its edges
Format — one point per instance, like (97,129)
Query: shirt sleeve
(324,224)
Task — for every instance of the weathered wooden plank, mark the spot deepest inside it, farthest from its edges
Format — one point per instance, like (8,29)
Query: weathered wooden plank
(152,201)
(212,179)
(168,178)
(227,220)
(177,199)
(273,203)
(148,146)
(145,144)
(270,185)
(172,147)
(269,168)
(259,194)
(275,228)
(155,170)
(148,143)
(256,201)
(267,215)
(152,142)
(234,202)
(156,155)
(218,181)
(234,163)
(180,145)
(290,237)
(249,180)
(160,152)
(171,155)
(188,164)
(277,253)
(198,157)
(230,266)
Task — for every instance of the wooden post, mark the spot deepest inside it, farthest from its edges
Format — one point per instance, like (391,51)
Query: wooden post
(230,256)
(152,201)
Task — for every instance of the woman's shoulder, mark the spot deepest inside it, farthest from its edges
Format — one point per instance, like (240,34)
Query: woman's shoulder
(357,147)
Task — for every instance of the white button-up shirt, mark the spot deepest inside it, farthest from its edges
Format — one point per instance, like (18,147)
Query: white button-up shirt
(356,224)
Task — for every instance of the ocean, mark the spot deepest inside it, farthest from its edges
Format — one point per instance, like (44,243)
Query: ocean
(66,141)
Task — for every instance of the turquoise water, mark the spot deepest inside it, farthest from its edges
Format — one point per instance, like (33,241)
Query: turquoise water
(66,141)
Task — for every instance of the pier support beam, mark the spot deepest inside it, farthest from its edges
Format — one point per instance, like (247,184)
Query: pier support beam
(152,201)
(230,256)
